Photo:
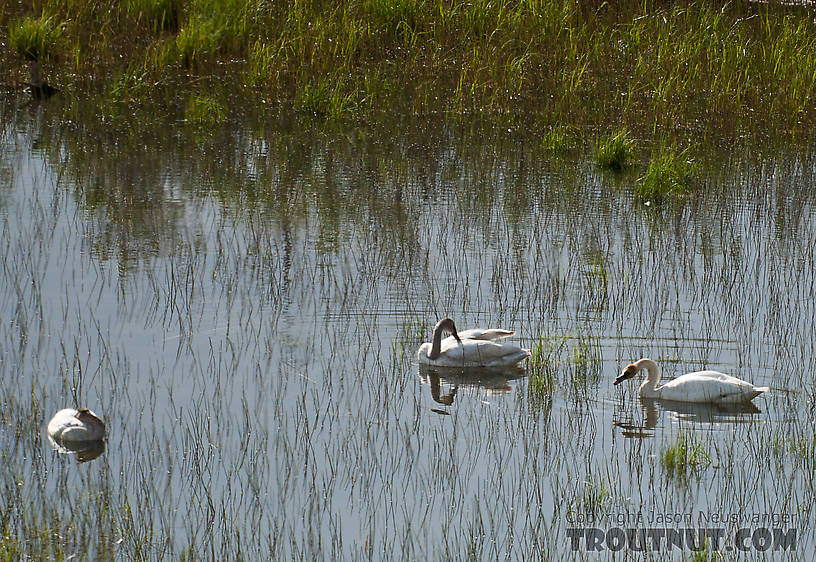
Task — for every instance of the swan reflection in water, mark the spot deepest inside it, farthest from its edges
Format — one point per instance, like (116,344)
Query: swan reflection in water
(84,450)
(697,412)
(489,380)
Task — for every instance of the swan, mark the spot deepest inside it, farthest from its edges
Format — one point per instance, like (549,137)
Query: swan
(700,386)
(76,425)
(471,348)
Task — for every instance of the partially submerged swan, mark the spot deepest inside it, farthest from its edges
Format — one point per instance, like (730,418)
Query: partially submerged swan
(700,386)
(76,425)
(471,348)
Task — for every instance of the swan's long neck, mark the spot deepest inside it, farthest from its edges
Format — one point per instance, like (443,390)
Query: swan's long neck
(436,343)
(649,387)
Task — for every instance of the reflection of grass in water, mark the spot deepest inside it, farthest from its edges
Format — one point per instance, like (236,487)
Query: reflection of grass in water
(347,439)
(683,457)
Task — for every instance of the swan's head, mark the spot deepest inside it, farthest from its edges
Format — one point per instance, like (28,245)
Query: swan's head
(630,371)
(89,418)
(448,325)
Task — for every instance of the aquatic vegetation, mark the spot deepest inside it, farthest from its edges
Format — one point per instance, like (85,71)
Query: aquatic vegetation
(706,554)
(197,40)
(574,357)
(205,111)
(246,311)
(560,139)
(591,499)
(684,457)
(324,98)
(670,174)
(36,39)
(580,65)
(615,151)
(160,15)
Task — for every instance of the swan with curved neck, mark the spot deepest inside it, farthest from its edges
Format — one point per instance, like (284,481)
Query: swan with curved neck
(76,425)
(699,386)
(471,348)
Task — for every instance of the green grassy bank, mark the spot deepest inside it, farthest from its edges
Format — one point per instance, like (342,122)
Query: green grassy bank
(657,66)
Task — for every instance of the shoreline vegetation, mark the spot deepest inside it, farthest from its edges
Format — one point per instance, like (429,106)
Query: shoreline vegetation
(660,68)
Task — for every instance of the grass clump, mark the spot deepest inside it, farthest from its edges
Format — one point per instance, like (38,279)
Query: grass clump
(324,98)
(615,152)
(197,40)
(706,554)
(670,173)
(590,501)
(542,371)
(36,39)
(684,457)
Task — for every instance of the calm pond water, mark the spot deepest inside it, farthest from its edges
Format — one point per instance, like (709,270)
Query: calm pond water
(243,307)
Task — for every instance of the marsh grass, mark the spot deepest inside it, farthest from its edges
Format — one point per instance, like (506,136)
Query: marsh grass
(36,39)
(204,111)
(577,64)
(592,498)
(670,174)
(248,310)
(198,40)
(575,357)
(684,458)
(561,139)
(159,15)
(706,554)
(324,98)
(615,151)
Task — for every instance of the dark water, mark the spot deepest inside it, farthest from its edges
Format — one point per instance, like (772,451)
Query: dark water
(243,307)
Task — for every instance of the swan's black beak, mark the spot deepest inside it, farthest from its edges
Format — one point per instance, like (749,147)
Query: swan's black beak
(627,374)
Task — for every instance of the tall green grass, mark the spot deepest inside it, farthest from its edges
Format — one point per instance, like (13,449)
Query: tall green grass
(657,64)
(615,151)
(670,173)
(36,38)
(684,457)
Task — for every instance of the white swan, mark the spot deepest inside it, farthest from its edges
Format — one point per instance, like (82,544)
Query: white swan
(76,425)
(471,348)
(700,386)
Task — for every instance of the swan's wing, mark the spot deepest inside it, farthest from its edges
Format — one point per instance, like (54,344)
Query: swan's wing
(480,353)
(709,386)
(486,334)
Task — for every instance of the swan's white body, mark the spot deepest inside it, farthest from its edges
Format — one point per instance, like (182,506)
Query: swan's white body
(76,425)
(700,386)
(489,334)
(471,348)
